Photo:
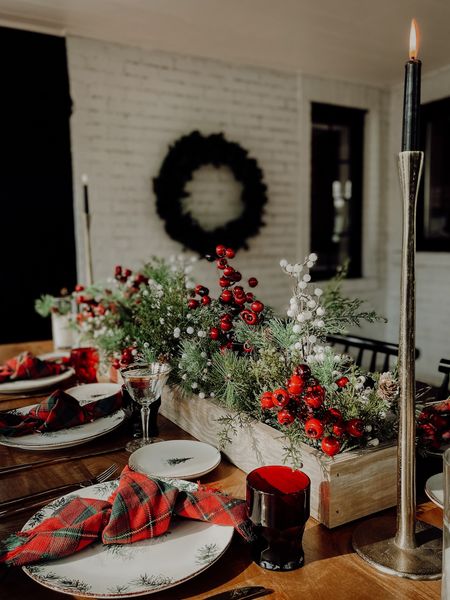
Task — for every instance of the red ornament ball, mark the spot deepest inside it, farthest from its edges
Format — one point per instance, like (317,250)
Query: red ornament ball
(339,429)
(224,282)
(266,400)
(314,398)
(285,417)
(342,382)
(230,253)
(221,250)
(296,385)
(249,317)
(206,300)
(228,271)
(192,304)
(249,297)
(334,415)
(252,282)
(226,296)
(314,428)
(355,428)
(236,276)
(226,325)
(221,263)
(79,287)
(257,306)
(330,445)
(240,300)
(280,398)
(214,333)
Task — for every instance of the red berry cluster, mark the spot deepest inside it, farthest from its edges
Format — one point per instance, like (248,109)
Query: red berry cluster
(125,359)
(90,306)
(433,425)
(122,275)
(303,399)
(203,293)
(233,297)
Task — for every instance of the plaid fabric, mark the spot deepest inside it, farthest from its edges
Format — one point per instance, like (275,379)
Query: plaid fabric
(58,411)
(215,507)
(28,366)
(73,527)
(140,508)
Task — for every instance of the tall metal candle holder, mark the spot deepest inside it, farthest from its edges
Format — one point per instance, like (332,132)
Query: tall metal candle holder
(403,546)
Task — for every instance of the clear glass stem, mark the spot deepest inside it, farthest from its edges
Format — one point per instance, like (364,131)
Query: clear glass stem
(145,413)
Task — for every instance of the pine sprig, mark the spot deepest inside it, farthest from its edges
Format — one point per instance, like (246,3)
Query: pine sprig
(342,312)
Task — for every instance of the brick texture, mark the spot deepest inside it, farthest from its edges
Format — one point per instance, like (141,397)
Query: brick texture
(131,104)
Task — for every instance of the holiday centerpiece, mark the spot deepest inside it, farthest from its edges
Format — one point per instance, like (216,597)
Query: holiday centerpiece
(271,389)
(265,389)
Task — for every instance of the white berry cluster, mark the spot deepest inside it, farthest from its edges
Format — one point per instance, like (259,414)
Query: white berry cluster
(305,307)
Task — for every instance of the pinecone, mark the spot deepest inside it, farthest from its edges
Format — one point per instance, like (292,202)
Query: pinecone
(388,388)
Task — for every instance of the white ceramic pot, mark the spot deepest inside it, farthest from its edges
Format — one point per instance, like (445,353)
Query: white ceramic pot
(62,332)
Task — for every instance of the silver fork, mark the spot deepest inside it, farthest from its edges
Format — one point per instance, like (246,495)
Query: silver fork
(7,508)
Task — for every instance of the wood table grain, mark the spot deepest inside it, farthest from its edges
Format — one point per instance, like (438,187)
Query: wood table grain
(332,570)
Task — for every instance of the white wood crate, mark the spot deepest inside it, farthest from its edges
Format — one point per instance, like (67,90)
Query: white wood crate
(344,488)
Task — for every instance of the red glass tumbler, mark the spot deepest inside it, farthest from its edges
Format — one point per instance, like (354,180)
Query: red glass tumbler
(278,507)
(85,362)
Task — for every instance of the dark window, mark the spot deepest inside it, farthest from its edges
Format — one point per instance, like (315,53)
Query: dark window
(433,208)
(336,188)
(37,245)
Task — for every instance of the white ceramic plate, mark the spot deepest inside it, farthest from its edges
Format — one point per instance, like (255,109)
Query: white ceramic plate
(184,459)
(32,385)
(128,570)
(434,489)
(73,436)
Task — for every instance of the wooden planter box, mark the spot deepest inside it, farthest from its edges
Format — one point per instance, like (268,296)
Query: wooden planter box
(344,488)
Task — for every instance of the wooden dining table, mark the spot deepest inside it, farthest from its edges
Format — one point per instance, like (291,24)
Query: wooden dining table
(332,570)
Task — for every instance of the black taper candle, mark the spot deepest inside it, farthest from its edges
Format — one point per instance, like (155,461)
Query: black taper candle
(411,97)
(84,179)
(411,106)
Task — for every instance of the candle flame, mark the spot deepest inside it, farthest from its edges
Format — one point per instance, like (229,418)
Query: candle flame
(414,40)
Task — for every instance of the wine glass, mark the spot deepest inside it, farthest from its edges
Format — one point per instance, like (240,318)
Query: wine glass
(144,383)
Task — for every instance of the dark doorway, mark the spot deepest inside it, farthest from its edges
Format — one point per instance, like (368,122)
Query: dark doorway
(336,188)
(37,245)
(433,207)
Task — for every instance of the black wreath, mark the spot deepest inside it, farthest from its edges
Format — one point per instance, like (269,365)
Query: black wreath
(187,155)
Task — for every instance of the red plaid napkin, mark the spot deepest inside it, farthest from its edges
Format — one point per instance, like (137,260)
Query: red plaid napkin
(58,411)
(140,508)
(28,366)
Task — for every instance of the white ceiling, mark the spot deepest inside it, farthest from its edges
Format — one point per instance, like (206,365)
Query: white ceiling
(362,40)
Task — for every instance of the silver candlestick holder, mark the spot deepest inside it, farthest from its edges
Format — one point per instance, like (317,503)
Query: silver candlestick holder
(403,546)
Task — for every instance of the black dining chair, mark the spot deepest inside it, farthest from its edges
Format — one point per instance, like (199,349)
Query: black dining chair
(367,352)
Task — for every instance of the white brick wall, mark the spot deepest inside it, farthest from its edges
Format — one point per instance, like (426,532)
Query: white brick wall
(433,268)
(130,104)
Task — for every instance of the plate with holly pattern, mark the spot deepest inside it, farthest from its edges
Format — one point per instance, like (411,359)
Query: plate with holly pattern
(129,570)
